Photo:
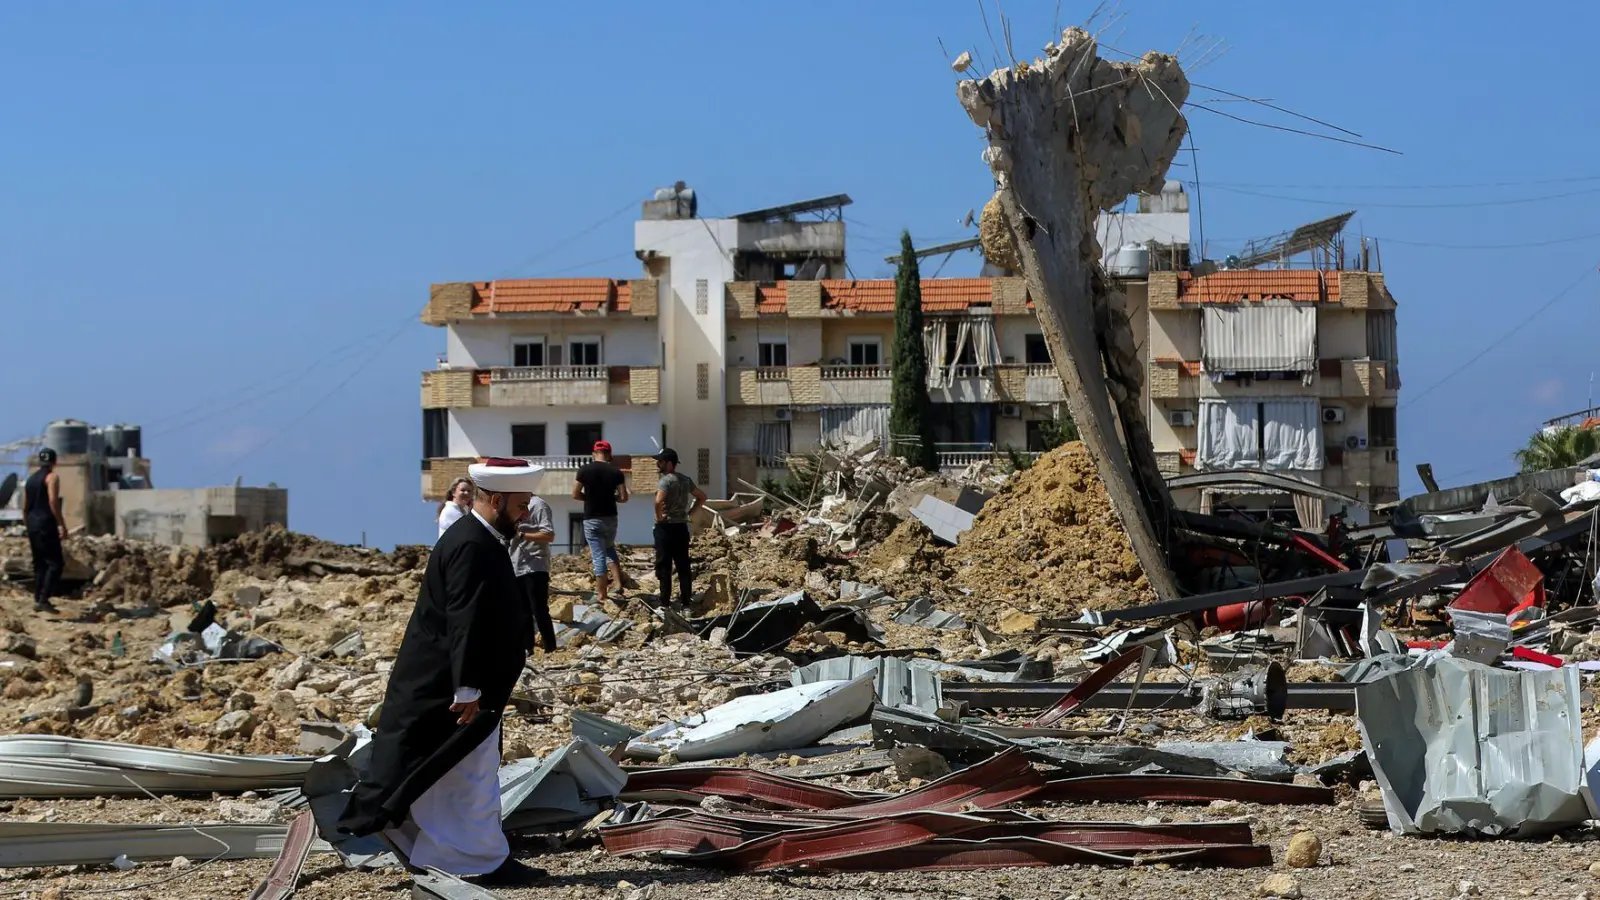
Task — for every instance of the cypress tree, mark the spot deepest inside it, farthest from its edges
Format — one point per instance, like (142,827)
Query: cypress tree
(909,419)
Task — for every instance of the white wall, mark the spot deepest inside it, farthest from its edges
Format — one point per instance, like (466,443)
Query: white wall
(689,251)
(745,336)
(625,340)
(487,432)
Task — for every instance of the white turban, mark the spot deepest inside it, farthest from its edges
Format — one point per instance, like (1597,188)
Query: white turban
(506,476)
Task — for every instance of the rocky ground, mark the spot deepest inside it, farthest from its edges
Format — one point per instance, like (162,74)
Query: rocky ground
(1045,548)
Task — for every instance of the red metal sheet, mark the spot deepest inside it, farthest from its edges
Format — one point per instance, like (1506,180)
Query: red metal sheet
(1306,545)
(749,785)
(1502,585)
(999,853)
(285,872)
(1089,687)
(836,840)
(1179,789)
(1002,779)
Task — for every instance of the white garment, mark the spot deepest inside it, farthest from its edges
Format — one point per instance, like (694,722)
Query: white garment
(455,825)
(448,516)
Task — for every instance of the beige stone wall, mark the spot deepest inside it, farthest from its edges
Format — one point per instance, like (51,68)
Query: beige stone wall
(441,472)
(1163,290)
(644,297)
(642,480)
(1011,384)
(447,302)
(805,385)
(594,392)
(644,385)
(804,299)
(1363,290)
(741,299)
(1011,297)
(1163,381)
(448,388)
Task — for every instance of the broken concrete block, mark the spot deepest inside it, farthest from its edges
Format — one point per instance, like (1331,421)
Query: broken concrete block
(239,723)
(241,700)
(292,674)
(918,762)
(1281,885)
(1015,621)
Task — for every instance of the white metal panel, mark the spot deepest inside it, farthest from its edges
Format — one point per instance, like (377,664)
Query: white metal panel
(1267,337)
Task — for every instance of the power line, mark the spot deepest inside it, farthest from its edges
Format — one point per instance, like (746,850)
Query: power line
(1412,187)
(1500,340)
(1469,204)
(1300,131)
(541,254)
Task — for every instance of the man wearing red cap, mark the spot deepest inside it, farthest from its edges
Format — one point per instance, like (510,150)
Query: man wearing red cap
(601,486)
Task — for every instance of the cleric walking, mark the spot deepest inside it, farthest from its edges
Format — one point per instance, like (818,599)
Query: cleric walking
(432,785)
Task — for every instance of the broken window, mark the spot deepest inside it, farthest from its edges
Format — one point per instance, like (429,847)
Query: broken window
(1381,426)
(1036,352)
(528,440)
(772,353)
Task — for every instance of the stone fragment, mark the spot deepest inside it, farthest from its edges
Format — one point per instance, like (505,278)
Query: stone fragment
(1305,851)
(239,723)
(1281,885)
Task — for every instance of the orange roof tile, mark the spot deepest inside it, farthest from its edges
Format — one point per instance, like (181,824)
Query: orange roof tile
(772,298)
(549,295)
(877,295)
(1310,285)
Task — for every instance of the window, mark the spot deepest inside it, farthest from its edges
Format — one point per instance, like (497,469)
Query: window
(528,352)
(581,437)
(773,353)
(1381,426)
(772,444)
(1036,439)
(968,355)
(1035,351)
(866,351)
(435,434)
(703,457)
(702,381)
(575,541)
(527,440)
(583,351)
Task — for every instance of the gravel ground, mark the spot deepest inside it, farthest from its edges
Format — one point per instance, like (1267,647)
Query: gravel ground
(1357,863)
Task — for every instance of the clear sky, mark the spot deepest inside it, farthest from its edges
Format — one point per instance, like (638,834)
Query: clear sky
(220,220)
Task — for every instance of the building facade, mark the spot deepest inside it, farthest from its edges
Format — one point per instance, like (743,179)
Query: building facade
(741,344)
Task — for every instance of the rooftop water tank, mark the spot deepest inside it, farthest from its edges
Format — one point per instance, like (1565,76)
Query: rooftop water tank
(1173,198)
(1131,261)
(115,440)
(133,440)
(67,437)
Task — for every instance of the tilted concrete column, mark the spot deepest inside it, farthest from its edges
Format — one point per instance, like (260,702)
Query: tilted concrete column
(1069,136)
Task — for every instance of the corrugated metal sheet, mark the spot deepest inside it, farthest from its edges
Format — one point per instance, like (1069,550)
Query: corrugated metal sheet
(899,683)
(1271,337)
(744,785)
(1461,748)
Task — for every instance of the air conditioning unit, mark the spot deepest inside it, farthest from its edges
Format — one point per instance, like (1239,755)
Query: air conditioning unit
(783,414)
(1355,442)
(1332,415)
(1180,418)
(1010,411)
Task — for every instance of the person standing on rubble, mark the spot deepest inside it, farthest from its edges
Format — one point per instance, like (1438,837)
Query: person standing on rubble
(47,528)
(677,499)
(431,786)
(530,557)
(601,486)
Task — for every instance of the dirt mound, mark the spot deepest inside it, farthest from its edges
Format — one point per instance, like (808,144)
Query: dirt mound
(1050,544)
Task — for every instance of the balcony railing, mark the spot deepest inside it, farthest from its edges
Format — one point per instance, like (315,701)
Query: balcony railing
(855,372)
(549,373)
(772,373)
(1041,370)
(960,459)
(559,463)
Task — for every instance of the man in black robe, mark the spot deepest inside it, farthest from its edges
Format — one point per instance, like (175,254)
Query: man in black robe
(431,787)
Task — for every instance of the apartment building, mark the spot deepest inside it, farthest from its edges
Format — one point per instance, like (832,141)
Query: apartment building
(1292,371)
(742,343)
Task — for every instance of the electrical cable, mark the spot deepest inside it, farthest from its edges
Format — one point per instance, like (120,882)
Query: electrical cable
(1357,204)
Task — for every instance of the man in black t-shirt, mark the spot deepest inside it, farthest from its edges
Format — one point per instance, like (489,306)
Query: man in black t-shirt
(601,486)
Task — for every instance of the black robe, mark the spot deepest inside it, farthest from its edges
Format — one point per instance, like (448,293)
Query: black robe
(471,627)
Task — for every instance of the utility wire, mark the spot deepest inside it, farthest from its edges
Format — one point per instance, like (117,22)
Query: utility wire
(1528,319)
(1411,187)
(1301,131)
(573,238)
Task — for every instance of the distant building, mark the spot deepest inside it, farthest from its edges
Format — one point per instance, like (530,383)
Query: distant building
(744,342)
(106,489)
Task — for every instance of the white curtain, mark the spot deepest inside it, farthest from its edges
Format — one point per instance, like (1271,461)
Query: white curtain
(963,334)
(985,344)
(772,440)
(843,425)
(933,335)
(1227,435)
(1292,433)
(1309,511)
(1275,336)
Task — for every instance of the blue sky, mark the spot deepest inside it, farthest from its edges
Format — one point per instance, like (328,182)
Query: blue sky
(219,220)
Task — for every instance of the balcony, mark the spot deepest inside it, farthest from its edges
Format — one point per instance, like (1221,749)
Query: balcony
(854,373)
(437,474)
(523,386)
(955,457)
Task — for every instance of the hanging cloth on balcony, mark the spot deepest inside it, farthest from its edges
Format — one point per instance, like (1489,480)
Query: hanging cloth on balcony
(933,337)
(985,344)
(846,425)
(963,334)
